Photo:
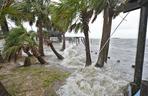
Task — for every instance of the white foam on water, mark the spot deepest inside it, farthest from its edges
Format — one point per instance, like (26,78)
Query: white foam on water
(91,81)
(73,58)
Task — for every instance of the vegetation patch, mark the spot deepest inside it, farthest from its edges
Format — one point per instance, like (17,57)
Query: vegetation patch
(32,81)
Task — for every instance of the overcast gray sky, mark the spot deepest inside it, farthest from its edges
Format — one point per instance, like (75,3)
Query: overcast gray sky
(128,29)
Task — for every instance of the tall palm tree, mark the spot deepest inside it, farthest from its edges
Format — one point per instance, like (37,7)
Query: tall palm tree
(76,14)
(39,10)
(111,10)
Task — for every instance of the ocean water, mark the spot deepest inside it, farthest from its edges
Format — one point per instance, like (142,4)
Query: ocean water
(111,80)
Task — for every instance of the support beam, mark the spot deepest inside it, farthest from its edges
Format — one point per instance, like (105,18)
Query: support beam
(144,88)
(140,47)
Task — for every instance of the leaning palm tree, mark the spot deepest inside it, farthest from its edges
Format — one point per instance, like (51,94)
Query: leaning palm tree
(76,14)
(111,10)
(21,40)
(38,9)
(57,22)
(49,43)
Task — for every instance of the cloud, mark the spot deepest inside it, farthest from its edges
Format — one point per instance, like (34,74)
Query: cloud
(128,29)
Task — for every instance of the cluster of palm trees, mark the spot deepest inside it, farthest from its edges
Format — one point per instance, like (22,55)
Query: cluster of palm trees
(77,14)
(62,16)
(65,15)
(32,11)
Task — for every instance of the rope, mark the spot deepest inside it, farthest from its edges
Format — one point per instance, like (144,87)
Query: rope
(113,32)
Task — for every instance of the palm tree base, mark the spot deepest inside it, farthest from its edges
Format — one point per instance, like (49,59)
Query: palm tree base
(88,63)
(27,62)
(99,65)
(41,60)
(62,49)
(1,59)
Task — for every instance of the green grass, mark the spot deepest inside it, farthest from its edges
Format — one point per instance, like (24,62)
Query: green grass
(33,80)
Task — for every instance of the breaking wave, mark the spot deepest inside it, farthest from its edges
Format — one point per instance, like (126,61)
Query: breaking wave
(91,81)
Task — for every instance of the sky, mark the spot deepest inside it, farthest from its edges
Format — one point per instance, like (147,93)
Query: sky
(128,28)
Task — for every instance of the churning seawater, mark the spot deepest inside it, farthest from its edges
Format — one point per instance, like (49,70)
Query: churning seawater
(111,80)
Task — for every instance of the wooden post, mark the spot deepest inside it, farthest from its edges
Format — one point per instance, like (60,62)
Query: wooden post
(144,88)
(140,47)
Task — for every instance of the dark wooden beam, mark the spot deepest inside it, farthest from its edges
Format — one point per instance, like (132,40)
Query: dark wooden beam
(135,4)
(143,2)
(141,47)
(131,6)
(144,88)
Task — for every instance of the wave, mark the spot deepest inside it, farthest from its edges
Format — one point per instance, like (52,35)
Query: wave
(91,81)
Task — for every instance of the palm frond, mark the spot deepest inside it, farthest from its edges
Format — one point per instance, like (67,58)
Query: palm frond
(16,39)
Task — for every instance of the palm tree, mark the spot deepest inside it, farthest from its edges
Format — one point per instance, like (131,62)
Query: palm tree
(111,10)
(57,22)
(21,40)
(59,56)
(64,42)
(1,58)
(76,14)
(8,8)
(4,4)
(39,10)
(47,34)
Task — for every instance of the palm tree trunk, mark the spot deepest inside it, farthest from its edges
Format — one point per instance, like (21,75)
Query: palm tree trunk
(1,58)
(40,35)
(26,50)
(55,52)
(4,26)
(104,48)
(87,46)
(64,43)
(108,32)
(3,91)
(35,52)
(27,61)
